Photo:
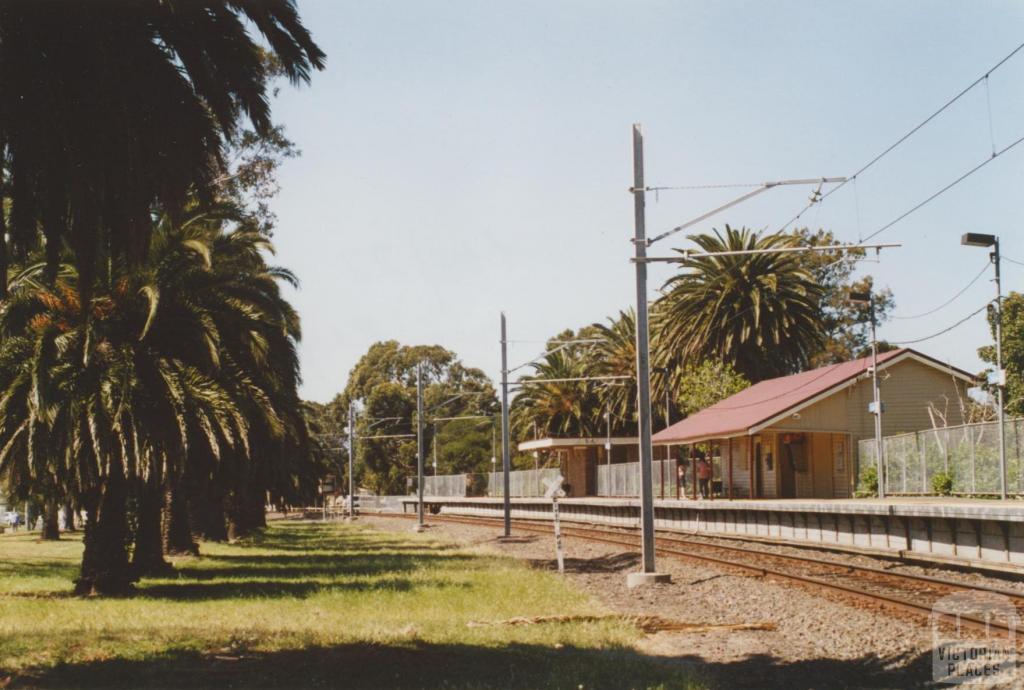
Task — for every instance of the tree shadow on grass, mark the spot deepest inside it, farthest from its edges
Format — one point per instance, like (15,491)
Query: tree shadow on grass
(297,588)
(312,566)
(25,568)
(304,572)
(454,666)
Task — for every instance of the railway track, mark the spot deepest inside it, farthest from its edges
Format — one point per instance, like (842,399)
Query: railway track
(907,592)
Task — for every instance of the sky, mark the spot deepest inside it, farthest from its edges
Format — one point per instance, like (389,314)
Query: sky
(460,159)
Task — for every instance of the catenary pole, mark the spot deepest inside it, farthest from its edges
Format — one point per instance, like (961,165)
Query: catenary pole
(419,446)
(351,460)
(505,455)
(1000,375)
(643,373)
(879,452)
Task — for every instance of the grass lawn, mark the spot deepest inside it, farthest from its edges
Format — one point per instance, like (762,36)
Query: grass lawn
(310,605)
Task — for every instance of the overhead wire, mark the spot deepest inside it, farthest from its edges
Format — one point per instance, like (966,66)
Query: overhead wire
(909,134)
(1012,261)
(943,331)
(942,191)
(950,300)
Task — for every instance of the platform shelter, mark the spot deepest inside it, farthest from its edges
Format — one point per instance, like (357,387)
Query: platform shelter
(796,436)
(579,458)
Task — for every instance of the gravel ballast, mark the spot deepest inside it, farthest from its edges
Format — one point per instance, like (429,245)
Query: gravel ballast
(819,640)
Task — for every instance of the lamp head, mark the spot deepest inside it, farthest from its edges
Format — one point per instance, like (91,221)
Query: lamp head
(860,297)
(976,239)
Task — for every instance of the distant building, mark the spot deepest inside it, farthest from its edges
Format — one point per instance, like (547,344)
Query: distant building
(796,436)
(579,458)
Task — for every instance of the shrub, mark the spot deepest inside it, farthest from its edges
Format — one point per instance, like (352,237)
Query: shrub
(867,486)
(942,483)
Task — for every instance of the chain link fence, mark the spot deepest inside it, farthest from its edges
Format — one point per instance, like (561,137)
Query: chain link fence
(967,454)
(522,483)
(623,479)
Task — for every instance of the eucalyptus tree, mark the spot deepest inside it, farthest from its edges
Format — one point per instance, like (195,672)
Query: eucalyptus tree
(760,313)
(846,324)
(383,383)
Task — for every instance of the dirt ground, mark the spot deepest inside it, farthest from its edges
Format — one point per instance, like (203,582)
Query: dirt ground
(819,640)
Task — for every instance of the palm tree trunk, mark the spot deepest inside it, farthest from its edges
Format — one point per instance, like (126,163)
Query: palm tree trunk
(245,512)
(69,517)
(208,515)
(105,568)
(148,558)
(51,521)
(177,534)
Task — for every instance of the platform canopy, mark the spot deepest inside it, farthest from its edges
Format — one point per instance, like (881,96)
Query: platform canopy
(768,402)
(556,443)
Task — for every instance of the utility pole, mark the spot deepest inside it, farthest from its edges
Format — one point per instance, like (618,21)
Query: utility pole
(643,373)
(879,446)
(419,447)
(875,408)
(974,239)
(505,459)
(351,460)
(1000,374)
(608,436)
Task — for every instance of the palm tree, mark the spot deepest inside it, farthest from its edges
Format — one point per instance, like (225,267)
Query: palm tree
(191,367)
(126,414)
(760,313)
(220,303)
(560,408)
(615,355)
(110,109)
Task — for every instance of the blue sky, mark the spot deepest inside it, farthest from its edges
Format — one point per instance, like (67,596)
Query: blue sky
(464,158)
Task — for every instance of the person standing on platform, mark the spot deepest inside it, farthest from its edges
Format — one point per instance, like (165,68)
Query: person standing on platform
(704,476)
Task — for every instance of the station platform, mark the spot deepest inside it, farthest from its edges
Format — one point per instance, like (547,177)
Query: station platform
(974,533)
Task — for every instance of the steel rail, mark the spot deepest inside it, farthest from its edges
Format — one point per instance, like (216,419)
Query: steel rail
(605,535)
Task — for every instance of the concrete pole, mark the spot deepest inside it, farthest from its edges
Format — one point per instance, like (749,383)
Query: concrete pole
(1001,377)
(505,455)
(419,447)
(879,453)
(643,371)
(351,460)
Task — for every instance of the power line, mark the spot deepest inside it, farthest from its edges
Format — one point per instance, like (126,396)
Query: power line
(944,330)
(1012,261)
(942,191)
(525,381)
(562,345)
(950,300)
(914,130)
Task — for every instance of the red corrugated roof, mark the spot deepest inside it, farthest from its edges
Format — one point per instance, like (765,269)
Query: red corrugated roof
(764,400)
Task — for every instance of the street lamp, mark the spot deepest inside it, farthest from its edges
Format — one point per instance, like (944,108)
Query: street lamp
(876,405)
(998,377)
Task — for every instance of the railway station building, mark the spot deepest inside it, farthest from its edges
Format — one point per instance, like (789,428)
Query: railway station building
(796,436)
